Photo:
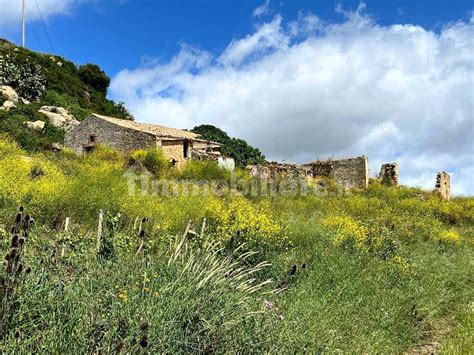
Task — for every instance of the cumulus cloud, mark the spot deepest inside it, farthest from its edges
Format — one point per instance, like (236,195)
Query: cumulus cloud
(267,37)
(311,89)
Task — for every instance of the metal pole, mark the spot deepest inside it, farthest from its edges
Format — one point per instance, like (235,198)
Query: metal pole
(23,25)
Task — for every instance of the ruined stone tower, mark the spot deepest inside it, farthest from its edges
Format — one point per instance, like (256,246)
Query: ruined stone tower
(443,185)
(389,174)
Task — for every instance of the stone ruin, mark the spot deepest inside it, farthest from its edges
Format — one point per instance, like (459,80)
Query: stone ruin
(389,174)
(347,173)
(272,170)
(443,185)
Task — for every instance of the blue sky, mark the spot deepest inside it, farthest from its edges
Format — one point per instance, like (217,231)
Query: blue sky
(300,79)
(117,34)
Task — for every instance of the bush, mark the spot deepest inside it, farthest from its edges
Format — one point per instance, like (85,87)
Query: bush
(205,170)
(103,154)
(153,159)
(238,149)
(25,76)
(239,221)
(93,76)
(346,231)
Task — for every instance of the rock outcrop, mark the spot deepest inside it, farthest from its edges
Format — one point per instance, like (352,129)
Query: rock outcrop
(59,117)
(8,93)
(7,105)
(57,147)
(37,125)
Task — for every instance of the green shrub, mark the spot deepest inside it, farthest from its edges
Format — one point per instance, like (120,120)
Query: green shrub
(102,154)
(152,158)
(24,75)
(238,149)
(93,76)
(205,170)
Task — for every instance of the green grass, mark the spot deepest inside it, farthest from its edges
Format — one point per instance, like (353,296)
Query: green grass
(386,270)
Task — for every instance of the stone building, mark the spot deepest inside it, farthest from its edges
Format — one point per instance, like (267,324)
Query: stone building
(443,185)
(124,135)
(389,174)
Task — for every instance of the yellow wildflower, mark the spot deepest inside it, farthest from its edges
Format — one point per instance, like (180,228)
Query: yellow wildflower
(123,296)
(449,237)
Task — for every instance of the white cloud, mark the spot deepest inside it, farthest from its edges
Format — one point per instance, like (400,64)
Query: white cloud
(262,9)
(10,11)
(268,36)
(397,92)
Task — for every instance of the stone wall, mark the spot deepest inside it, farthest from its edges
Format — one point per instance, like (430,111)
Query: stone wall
(173,150)
(273,170)
(120,138)
(348,173)
(389,174)
(443,185)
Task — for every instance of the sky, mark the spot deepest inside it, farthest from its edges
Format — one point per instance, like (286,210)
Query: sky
(300,79)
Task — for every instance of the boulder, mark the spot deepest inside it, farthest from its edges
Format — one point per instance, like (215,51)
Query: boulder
(8,93)
(24,101)
(59,117)
(37,125)
(7,105)
(56,147)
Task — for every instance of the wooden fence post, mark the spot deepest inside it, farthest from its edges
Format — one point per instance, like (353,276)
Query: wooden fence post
(66,226)
(99,229)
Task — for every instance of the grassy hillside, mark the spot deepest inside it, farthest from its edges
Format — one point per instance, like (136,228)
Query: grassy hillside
(379,270)
(46,79)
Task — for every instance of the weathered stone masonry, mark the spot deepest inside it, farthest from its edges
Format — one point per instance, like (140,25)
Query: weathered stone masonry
(443,185)
(389,174)
(126,136)
(347,173)
(120,138)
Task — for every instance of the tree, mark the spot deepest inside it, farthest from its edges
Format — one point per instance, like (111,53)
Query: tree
(238,149)
(92,75)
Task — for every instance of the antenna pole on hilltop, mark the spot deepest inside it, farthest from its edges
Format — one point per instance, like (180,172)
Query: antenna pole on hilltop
(23,25)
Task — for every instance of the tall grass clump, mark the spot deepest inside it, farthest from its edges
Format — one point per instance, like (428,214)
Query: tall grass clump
(14,272)
(189,300)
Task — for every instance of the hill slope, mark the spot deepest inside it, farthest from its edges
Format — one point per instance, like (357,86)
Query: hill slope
(50,80)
